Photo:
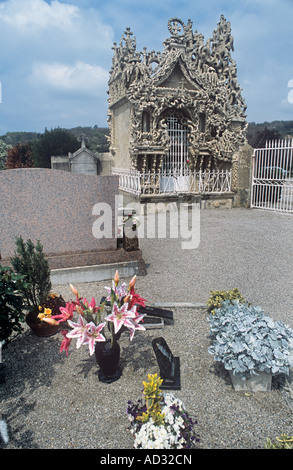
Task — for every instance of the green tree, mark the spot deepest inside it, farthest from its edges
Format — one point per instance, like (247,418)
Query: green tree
(259,139)
(3,154)
(54,142)
(20,156)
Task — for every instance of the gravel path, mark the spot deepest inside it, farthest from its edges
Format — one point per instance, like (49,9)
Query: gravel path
(53,401)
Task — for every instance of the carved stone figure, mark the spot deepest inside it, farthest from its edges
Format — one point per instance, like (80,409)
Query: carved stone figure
(181,104)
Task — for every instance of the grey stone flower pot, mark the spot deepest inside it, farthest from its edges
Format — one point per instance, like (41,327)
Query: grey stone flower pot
(262,382)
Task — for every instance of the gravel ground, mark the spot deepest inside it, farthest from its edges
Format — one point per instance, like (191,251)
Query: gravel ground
(51,401)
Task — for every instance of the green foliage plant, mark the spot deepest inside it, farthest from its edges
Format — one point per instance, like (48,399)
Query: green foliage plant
(29,261)
(11,304)
(162,422)
(282,442)
(217,298)
(3,154)
(153,398)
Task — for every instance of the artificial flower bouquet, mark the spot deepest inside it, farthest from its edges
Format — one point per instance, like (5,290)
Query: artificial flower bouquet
(161,422)
(51,307)
(121,310)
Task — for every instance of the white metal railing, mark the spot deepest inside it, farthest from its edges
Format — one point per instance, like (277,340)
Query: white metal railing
(272,176)
(129,180)
(148,182)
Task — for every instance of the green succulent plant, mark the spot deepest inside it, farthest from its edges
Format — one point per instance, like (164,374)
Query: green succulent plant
(217,298)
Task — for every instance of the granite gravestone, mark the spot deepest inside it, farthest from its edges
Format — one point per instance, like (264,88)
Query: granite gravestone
(168,364)
(56,207)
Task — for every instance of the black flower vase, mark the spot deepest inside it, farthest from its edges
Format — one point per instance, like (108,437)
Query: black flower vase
(108,357)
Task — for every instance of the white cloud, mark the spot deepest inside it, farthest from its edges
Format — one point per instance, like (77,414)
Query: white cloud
(54,56)
(35,28)
(79,77)
(38,14)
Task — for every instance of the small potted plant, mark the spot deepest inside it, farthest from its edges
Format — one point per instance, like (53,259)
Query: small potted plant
(251,346)
(162,421)
(29,261)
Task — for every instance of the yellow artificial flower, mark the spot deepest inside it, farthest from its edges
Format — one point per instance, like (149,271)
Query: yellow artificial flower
(47,312)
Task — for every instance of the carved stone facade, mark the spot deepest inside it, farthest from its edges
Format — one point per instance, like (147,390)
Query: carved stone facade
(186,97)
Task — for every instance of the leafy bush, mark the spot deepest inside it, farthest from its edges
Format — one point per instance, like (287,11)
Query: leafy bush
(11,304)
(247,342)
(19,156)
(30,262)
(217,298)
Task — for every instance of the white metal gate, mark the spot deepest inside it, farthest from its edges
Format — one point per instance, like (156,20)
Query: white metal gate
(272,176)
(174,175)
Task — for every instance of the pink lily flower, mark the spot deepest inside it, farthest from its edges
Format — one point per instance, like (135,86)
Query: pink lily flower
(92,306)
(132,283)
(93,335)
(120,291)
(83,304)
(66,314)
(80,330)
(74,290)
(136,326)
(121,316)
(65,343)
(79,309)
(116,278)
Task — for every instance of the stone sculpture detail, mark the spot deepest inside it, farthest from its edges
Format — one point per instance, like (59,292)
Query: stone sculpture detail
(192,79)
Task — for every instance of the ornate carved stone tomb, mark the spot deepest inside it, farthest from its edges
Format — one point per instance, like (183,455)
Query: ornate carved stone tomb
(176,109)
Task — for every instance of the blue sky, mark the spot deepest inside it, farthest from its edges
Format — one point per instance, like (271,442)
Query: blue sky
(55,56)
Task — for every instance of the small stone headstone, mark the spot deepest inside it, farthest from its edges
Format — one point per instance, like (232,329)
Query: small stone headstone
(168,364)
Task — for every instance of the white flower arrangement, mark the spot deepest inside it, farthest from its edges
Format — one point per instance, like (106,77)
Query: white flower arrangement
(176,432)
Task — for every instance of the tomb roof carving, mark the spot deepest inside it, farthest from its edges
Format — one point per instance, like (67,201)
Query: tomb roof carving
(190,74)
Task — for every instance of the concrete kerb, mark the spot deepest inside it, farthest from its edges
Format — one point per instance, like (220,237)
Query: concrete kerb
(197,305)
(93,273)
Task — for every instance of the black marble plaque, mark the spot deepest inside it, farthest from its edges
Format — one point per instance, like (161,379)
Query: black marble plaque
(167,315)
(168,364)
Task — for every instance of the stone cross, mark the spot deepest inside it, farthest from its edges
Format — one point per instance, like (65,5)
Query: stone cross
(83,139)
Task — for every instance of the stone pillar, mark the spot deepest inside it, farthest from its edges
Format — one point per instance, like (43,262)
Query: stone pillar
(241,176)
